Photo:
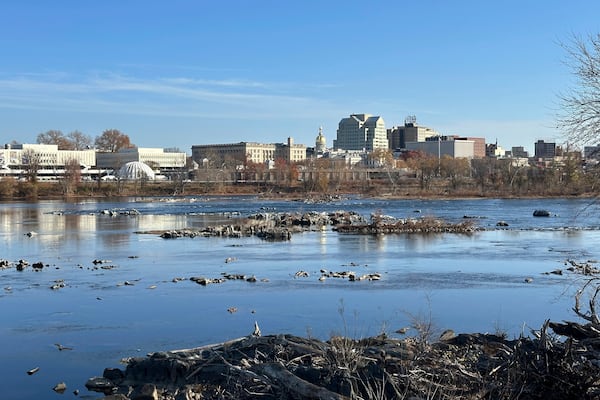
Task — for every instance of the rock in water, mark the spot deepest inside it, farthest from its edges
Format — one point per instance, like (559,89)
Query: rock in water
(100,384)
(60,387)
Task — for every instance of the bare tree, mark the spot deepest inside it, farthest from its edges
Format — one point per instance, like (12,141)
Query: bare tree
(55,137)
(482,171)
(425,166)
(31,164)
(323,168)
(79,140)
(455,169)
(580,115)
(72,176)
(112,140)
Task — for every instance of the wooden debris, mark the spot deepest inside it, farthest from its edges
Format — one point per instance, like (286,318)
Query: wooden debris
(465,366)
(60,347)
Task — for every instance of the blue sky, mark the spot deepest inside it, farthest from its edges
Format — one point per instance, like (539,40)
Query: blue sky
(179,73)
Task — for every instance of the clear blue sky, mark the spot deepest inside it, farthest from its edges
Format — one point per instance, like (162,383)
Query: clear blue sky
(179,73)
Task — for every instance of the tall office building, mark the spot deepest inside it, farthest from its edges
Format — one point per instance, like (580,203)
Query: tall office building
(519,152)
(361,132)
(544,149)
(398,136)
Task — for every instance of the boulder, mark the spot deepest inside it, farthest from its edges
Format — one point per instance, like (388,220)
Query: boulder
(145,392)
(114,375)
(100,384)
(60,387)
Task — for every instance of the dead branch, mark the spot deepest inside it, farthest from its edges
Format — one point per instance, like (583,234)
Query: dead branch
(297,387)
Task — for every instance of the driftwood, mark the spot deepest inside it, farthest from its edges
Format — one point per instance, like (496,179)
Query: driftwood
(297,388)
(466,366)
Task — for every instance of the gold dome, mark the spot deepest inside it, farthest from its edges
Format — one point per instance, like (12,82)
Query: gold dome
(320,142)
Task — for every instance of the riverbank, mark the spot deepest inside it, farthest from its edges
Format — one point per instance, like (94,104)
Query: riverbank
(12,190)
(464,366)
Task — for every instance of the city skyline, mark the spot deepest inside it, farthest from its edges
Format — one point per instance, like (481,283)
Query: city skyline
(188,73)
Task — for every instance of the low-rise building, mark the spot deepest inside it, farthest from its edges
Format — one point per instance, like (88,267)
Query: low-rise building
(478,145)
(49,161)
(239,153)
(444,147)
(347,158)
(157,158)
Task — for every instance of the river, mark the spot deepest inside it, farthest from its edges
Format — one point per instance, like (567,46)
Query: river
(135,303)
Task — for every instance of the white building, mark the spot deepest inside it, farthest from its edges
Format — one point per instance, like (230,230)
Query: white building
(440,148)
(349,158)
(51,162)
(165,161)
(361,132)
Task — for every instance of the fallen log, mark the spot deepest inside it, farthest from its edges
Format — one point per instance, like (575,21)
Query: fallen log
(296,387)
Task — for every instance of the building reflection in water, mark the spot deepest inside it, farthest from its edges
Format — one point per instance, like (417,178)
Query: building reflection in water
(323,241)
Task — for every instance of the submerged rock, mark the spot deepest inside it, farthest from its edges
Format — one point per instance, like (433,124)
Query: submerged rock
(101,384)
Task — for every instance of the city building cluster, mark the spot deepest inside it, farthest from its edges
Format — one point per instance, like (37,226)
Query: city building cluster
(358,137)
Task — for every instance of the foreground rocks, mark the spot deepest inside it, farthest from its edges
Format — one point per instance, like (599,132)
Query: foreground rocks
(465,366)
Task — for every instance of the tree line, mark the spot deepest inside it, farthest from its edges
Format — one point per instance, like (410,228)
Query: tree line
(111,140)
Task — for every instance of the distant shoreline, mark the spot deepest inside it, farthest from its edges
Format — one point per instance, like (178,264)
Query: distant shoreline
(27,191)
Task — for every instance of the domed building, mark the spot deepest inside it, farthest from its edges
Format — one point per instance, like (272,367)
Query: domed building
(135,170)
(320,142)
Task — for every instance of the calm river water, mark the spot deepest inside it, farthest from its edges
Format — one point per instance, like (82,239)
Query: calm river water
(469,283)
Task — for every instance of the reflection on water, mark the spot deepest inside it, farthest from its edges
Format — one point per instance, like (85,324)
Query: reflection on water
(467,282)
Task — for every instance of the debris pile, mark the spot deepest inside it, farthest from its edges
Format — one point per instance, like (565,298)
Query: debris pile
(465,366)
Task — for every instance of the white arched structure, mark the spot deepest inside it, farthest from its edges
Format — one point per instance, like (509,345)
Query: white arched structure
(135,170)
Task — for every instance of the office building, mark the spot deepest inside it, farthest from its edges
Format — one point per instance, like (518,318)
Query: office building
(239,153)
(519,152)
(545,149)
(50,162)
(441,146)
(361,132)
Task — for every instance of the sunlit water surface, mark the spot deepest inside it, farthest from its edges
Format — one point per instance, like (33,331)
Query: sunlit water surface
(470,283)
